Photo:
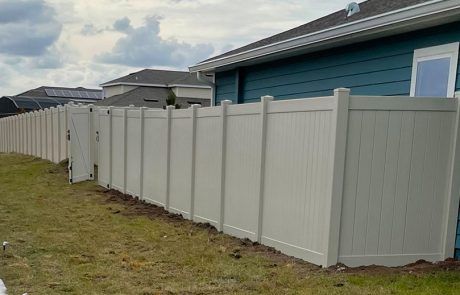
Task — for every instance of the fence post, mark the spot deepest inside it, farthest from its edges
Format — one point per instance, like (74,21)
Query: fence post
(125,148)
(223,121)
(44,135)
(110,113)
(452,203)
(2,136)
(265,100)
(337,170)
(29,134)
(168,153)
(91,141)
(58,108)
(66,118)
(141,157)
(26,128)
(50,113)
(193,110)
(37,139)
(24,134)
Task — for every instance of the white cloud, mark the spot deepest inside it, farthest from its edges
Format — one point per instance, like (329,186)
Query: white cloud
(144,47)
(81,43)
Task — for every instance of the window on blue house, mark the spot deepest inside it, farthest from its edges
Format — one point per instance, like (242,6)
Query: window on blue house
(434,71)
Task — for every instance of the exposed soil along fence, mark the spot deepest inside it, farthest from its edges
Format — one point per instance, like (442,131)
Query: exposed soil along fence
(354,179)
(41,133)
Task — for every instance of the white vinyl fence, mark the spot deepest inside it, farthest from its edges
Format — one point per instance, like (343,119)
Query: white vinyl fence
(41,134)
(354,179)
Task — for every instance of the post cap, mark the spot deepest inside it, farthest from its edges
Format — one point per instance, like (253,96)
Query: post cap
(267,98)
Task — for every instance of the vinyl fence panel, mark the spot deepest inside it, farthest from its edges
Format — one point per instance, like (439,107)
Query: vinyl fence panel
(208,156)
(133,151)
(396,180)
(63,133)
(104,147)
(118,149)
(155,150)
(298,160)
(181,162)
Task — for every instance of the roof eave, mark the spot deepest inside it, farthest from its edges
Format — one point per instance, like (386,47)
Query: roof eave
(154,85)
(431,13)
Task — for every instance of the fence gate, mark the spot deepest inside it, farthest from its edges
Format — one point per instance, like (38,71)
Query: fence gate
(81,166)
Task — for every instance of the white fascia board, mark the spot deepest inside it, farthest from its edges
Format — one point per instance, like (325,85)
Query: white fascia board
(393,20)
(153,85)
(132,84)
(190,86)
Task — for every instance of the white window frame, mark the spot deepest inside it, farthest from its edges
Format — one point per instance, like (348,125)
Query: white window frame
(436,52)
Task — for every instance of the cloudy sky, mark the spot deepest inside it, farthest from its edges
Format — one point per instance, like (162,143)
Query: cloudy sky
(87,42)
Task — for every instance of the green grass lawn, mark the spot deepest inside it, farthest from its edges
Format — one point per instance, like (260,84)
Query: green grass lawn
(79,240)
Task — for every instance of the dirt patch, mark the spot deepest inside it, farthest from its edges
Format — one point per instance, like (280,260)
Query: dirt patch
(420,266)
(133,206)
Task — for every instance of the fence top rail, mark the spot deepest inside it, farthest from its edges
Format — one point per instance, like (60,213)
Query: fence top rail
(326,103)
(155,113)
(403,103)
(243,109)
(209,112)
(182,113)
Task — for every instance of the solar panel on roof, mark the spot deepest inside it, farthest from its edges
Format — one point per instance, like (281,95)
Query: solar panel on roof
(50,92)
(73,93)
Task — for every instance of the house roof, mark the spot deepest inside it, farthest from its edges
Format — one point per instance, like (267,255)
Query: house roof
(367,9)
(47,96)
(64,92)
(158,78)
(152,97)
(376,18)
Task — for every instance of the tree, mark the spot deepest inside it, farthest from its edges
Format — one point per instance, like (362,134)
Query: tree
(171,100)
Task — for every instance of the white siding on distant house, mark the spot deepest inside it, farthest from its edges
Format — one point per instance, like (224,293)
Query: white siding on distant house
(192,92)
(118,89)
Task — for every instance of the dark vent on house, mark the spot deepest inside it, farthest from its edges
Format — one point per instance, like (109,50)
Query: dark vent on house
(193,102)
(151,99)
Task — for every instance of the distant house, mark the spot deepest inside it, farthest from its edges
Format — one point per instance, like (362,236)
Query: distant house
(150,88)
(45,97)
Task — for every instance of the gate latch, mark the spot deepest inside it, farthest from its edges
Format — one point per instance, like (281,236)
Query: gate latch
(68,135)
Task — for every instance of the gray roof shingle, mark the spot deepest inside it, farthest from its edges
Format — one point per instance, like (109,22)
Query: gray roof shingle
(368,9)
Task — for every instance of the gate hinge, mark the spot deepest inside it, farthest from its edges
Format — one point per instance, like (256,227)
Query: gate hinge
(68,135)
(97,136)
(108,112)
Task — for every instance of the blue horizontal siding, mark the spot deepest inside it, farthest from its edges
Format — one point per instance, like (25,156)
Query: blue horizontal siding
(378,67)
(225,86)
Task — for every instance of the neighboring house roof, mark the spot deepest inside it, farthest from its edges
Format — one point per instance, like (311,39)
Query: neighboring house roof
(152,97)
(159,78)
(376,18)
(45,97)
(79,93)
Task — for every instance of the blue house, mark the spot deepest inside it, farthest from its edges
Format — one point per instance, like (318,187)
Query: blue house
(377,47)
